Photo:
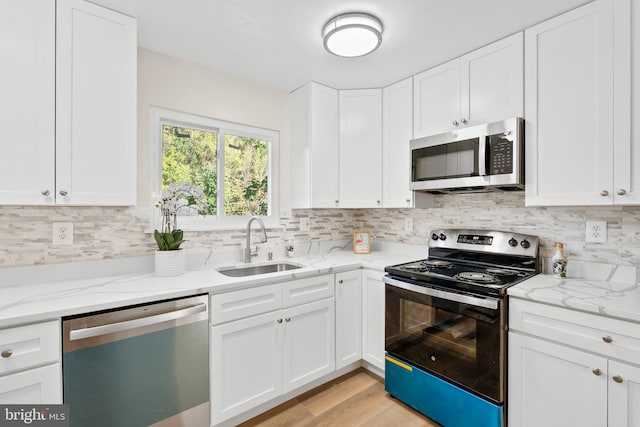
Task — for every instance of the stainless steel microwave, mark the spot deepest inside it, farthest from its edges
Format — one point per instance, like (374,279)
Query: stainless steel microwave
(488,157)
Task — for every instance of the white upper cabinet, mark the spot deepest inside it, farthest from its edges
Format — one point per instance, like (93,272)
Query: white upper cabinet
(482,86)
(27,103)
(579,150)
(361,148)
(95,105)
(626,175)
(315,139)
(397,131)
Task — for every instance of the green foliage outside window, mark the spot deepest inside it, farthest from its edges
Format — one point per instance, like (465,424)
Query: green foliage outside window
(189,155)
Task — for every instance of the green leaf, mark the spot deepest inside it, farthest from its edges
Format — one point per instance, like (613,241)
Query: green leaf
(162,245)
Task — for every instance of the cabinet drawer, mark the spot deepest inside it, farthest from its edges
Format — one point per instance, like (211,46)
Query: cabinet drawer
(303,291)
(244,303)
(611,337)
(23,347)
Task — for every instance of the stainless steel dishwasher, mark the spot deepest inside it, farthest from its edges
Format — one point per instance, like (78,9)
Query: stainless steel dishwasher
(145,365)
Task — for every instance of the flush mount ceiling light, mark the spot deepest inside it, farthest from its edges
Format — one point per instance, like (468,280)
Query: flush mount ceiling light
(352,34)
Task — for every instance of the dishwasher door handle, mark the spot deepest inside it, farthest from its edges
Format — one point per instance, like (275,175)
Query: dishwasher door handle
(79,334)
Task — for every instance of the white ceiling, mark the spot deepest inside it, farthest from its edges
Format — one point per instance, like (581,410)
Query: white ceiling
(278,42)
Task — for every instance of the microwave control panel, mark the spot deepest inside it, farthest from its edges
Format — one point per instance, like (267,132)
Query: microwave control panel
(500,155)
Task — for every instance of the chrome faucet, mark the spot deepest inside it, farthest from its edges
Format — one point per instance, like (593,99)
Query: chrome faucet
(248,253)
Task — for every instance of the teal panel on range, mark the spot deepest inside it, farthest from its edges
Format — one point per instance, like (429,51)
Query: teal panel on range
(437,399)
(154,380)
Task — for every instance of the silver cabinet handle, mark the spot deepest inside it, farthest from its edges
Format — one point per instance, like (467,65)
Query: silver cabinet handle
(288,319)
(604,193)
(621,192)
(618,379)
(607,339)
(455,123)
(597,372)
(279,320)
(45,192)
(464,121)
(6,353)
(78,334)
(63,192)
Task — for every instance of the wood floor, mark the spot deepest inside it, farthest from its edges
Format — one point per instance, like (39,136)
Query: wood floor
(356,399)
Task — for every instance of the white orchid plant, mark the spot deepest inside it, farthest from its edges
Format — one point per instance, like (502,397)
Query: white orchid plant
(183,198)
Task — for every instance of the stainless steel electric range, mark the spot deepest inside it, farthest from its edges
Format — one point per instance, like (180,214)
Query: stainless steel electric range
(446,324)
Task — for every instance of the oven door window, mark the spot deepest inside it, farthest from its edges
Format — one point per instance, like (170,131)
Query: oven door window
(452,160)
(456,341)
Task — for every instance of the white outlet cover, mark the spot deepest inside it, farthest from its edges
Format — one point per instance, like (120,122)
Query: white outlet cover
(62,233)
(305,224)
(596,232)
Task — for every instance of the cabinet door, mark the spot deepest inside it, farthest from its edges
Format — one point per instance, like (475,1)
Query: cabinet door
(373,318)
(348,318)
(308,343)
(315,139)
(361,148)
(626,178)
(397,128)
(624,395)
(27,103)
(95,105)
(436,99)
(246,362)
(569,108)
(492,82)
(35,386)
(555,386)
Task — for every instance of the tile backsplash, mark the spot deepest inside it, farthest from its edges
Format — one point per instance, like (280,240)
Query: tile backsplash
(115,232)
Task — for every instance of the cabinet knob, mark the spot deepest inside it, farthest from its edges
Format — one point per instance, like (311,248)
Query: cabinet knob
(45,192)
(604,193)
(455,123)
(464,121)
(6,353)
(288,319)
(408,200)
(340,281)
(378,201)
(63,192)
(607,339)
(336,201)
(621,192)
(597,372)
(279,320)
(618,379)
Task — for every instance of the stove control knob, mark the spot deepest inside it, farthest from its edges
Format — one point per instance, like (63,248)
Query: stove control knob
(434,236)
(525,244)
(513,242)
(442,236)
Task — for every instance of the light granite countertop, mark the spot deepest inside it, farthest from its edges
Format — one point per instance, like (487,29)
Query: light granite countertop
(603,289)
(34,294)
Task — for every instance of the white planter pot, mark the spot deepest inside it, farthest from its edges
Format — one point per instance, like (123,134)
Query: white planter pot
(170,263)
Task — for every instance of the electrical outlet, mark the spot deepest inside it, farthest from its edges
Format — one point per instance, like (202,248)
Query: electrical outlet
(596,232)
(62,233)
(408,225)
(305,224)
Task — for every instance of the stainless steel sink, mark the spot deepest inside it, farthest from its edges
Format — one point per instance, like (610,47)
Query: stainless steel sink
(252,270)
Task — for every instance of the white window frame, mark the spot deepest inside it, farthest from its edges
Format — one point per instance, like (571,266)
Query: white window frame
(161,116)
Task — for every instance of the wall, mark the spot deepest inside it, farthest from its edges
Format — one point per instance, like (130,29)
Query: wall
(506,211)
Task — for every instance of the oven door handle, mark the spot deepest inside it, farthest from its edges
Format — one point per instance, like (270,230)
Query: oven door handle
(477,301)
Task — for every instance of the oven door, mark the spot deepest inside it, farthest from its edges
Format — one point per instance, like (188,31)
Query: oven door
(457,336)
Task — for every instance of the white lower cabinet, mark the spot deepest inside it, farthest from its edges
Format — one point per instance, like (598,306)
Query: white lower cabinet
(568,368)
(30,370)
(257,356)
(34,386)
(373,318)
(348,299)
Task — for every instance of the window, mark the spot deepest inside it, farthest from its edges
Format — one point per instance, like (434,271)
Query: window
(235,165)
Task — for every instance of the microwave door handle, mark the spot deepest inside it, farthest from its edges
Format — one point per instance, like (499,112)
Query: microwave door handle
(482,156)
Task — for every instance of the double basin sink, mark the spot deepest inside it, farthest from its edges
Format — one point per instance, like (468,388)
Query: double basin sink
(252,270)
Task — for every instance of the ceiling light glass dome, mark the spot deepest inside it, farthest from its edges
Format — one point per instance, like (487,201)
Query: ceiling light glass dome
(352,34)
